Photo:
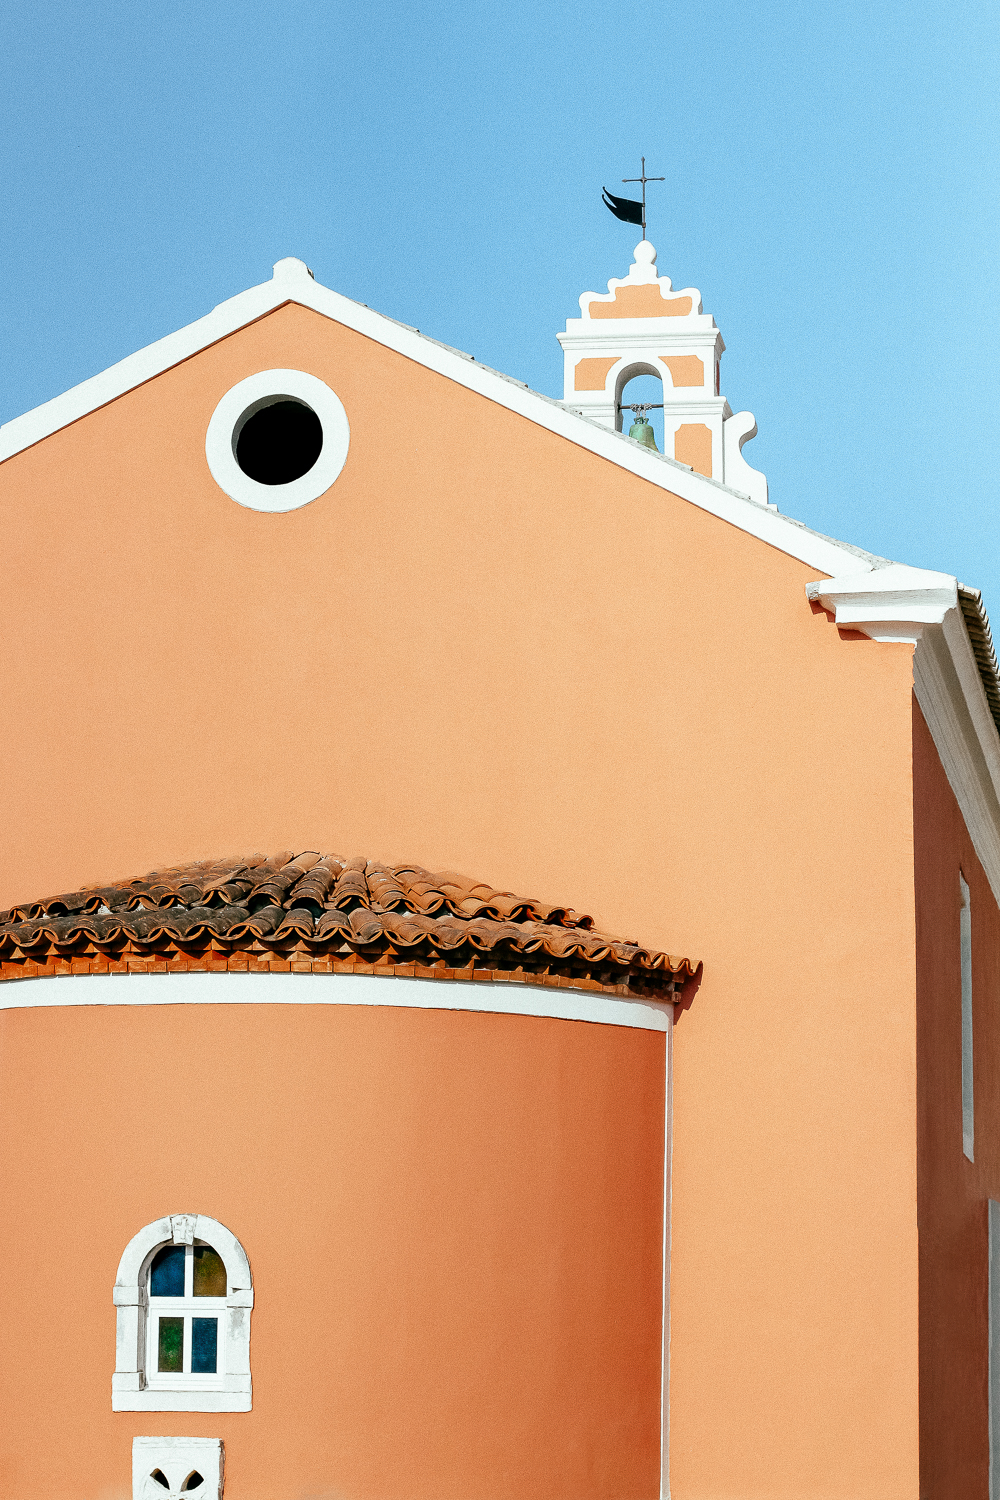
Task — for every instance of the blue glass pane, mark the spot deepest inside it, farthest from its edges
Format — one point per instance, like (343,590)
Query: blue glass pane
(167,1273)
(204,1345)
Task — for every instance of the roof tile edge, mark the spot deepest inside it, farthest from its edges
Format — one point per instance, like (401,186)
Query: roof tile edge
(315,913)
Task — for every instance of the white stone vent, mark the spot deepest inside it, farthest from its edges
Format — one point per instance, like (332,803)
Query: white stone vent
(177,1468)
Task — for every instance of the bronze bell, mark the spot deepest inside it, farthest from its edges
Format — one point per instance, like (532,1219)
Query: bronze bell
(643,433)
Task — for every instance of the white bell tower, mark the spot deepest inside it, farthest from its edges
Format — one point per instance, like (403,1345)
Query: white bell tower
(641,326)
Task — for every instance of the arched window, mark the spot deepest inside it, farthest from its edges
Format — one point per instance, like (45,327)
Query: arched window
(183,1295)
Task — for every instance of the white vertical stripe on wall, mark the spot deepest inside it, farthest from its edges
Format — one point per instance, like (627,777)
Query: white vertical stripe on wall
(968,1106)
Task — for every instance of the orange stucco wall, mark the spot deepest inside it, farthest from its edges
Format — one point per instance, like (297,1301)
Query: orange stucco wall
(489,650)
(685,369)
(693,445)
(591,374)
(953,1192)
(641,302)
(454,1224)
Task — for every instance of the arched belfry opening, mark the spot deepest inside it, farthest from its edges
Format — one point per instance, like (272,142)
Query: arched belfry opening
(639,393)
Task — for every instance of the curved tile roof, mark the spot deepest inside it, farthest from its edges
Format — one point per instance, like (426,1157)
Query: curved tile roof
(323,913)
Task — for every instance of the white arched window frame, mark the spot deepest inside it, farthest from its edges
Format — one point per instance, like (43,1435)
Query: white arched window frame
(135,1385)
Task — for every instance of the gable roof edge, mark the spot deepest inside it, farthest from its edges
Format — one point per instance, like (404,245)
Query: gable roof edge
(293,282)
(955,669)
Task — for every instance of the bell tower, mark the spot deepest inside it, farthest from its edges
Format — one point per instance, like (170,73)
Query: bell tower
(641,326)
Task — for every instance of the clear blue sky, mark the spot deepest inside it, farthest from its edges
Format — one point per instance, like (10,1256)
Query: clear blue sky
(832,189)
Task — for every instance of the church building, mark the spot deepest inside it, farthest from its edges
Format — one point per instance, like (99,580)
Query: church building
(499,939)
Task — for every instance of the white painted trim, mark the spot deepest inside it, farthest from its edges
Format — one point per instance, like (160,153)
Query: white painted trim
(130,1386)
(604,337)
(968,1091)
(293,282)
(737,430)
(139,1249)
(968,747)
(920,607)
(889,604)
(643,272)
(242,402)
(233,1398)
(335,989)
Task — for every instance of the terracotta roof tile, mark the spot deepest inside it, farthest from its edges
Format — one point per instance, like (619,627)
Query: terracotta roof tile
(981,638)
(323,912)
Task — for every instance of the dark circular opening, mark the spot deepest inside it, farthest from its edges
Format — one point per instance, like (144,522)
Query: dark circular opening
(279,443)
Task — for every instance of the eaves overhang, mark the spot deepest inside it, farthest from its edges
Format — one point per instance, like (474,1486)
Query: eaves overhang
(955,678)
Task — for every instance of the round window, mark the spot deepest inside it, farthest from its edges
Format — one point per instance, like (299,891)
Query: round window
(277,440)
(280,442)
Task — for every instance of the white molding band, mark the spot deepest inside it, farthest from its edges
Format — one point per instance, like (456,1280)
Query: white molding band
(920,607)
(247,398)
(231,988)
(293,282)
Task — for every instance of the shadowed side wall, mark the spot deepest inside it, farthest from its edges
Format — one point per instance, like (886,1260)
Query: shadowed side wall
(953,1192)
(454,1224)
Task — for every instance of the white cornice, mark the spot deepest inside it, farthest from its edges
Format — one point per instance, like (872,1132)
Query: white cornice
(915,605)
(636,332)
(293,282)
(888,604)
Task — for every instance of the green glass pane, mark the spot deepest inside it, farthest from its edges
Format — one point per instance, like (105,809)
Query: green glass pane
(171,1348)
(209,1272)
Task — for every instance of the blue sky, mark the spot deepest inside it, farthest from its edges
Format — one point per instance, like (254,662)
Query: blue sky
(832,189)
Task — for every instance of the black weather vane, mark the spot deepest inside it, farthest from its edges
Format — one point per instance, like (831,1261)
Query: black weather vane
(628,209)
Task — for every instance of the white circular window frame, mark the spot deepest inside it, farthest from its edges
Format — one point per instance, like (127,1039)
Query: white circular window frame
(243,402)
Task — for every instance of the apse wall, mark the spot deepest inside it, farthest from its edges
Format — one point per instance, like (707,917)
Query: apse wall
(454,1222)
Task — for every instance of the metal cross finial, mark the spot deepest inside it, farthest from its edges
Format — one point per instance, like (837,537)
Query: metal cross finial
(644,179)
